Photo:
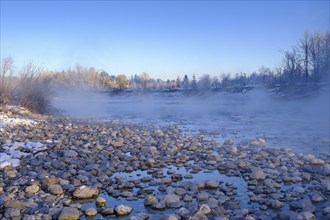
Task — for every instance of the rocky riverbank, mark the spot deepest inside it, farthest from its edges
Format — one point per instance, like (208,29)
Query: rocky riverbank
(70,169)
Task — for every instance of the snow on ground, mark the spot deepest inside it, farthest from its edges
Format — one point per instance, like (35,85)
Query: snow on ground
(13,152)
(8,121)
(10,154)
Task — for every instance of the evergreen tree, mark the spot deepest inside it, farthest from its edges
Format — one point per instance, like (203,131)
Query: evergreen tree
(194,83)
(178,82)
(185,82)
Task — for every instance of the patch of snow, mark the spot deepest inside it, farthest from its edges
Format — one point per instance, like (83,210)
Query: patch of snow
(7,121)
(14,152)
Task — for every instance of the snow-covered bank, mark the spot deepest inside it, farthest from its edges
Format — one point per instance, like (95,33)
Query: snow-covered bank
(9,121)
(14,152)
(11,153)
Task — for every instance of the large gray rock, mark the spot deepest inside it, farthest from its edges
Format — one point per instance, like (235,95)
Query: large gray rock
(122,210)
(150,200)
(172,201)
(55,189)
(257,174)
(91,212)
(326,210)
(101,201)
(307,216)
(32,189)
(211,184)
(317,197)
(205,209)
(12,213)
(107,211)
(14,204)
(69,213)
(85,192)
(70,153)
(203,196)
(304,204)
(180,191)
(183,212)
(159,205)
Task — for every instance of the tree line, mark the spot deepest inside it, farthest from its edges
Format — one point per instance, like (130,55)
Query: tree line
(305,64)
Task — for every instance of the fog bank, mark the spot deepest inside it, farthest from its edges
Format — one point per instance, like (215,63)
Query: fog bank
(300,123)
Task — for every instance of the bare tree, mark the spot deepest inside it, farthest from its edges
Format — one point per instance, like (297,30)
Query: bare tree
(178,82)
(185,82)
(144,77)
(205,81)
(6,71)
(304,46)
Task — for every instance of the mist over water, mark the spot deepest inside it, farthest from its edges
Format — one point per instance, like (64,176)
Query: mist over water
(300,123)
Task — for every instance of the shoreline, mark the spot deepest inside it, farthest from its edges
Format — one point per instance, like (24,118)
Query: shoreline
(83,158)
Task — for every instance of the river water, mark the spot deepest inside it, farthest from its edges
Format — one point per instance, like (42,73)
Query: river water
(301,123)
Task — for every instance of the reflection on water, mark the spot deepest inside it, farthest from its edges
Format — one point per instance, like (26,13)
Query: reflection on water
(138,203)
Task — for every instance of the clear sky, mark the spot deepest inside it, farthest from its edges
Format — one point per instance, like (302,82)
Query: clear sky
(163,38)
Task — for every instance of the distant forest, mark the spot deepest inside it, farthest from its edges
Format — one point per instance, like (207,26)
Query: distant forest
(305,65)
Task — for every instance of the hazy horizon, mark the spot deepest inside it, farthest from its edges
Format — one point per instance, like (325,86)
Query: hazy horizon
(164,39)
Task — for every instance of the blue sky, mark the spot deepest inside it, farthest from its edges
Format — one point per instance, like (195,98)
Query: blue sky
(162,38)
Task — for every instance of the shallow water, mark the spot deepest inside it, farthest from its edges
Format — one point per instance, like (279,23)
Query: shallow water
(241,193)
(138,204)
(301,124)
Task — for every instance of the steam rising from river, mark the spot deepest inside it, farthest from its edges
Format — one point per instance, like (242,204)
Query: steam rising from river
(302,124)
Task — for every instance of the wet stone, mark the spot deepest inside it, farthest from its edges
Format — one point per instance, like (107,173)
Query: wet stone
(107,211)
(123,210)
(172,217)
(203,196)
(159,205)
(69,213)
(91,212)
(307,216)
(211,184)
(85,192)
(101,201)
(172,200)
(257,174)
(183,212)
(303,204)
(150,200)
(180,191)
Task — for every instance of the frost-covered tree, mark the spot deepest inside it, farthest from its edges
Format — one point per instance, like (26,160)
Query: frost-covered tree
(185,82)
(215,83)
(178,82)
(205,81)
(121,81)
(193,83)
(144,77)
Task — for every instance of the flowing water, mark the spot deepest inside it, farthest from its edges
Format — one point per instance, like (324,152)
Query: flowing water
(301,124)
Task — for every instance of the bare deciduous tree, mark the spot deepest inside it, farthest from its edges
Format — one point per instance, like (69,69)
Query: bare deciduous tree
(144,77)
